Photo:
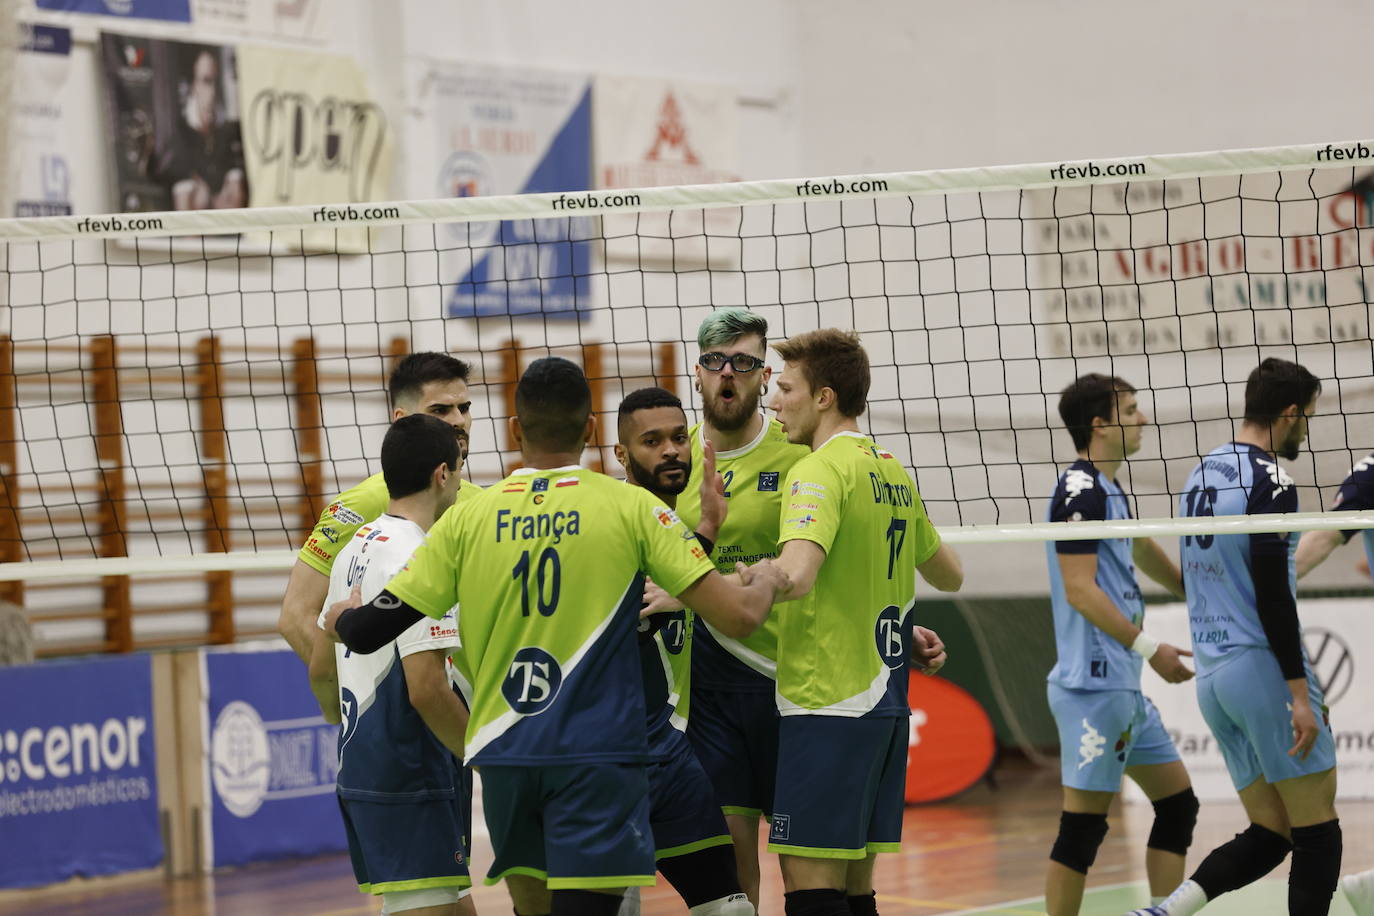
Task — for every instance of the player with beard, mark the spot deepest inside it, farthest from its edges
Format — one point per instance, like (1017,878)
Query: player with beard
(1254,682)
(429,383)
(734,722)
(691,842)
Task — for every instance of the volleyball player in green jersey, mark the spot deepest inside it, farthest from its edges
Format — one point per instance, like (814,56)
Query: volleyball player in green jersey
(548,568)
(430,383)
(734,723)
(853,534)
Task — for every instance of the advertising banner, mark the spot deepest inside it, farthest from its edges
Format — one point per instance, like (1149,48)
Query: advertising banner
(483,130)
(311,130)
(174,117)
(272,761)
(1339,636)
(78,773)
(166,10)
(40,179)
(650,133)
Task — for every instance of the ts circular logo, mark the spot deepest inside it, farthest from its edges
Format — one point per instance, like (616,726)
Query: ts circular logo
(532,681)
(887,635)
(1332,662)
(675,632)
(240,759)
(348,709)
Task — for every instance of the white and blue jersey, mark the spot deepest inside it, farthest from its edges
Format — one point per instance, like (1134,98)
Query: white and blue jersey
(1233,479)
(1357,495)
(1089,659)
(386,752)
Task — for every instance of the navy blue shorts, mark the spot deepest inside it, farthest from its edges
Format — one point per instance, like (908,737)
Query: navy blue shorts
(409,845)
(584,826)
(841,787)
(683,813)
(735,736)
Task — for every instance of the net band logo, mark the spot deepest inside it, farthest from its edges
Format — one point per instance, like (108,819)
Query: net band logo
(836,186)
(115,224)
(593,202)
(1093,170)
(352,214)
(1334,153)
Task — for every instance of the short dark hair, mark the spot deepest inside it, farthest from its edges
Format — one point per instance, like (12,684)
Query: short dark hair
(834,359)
(414,446)
(414,371)
(644,399)
(1276,384)
(553,402)
(1087,398)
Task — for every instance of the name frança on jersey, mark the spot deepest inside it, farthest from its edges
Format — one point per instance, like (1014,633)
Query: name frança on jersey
(513,526)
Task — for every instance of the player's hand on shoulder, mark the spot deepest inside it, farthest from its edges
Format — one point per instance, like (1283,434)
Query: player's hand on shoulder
(1304,728)
(927,650)
(331,616)
(1168,663)
(657,601)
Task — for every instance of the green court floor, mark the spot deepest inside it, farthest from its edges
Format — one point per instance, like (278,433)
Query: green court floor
(1265,898)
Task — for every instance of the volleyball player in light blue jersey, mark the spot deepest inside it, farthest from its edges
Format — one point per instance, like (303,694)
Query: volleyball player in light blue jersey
(1107,727)
(1254,683)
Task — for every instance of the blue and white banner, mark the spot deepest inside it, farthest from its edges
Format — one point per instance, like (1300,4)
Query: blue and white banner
(78,772)
(272,761)
(40,170)
(483,130)
(167,10)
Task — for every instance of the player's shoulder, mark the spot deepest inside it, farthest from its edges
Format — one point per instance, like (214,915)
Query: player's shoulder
(360,503)
(1362,472)
(1080,483)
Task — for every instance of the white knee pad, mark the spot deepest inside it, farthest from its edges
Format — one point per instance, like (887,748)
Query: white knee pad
(734,905)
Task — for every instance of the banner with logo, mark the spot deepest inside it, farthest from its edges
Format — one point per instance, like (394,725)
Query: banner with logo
(78,772)
(1339,636)
(484,130)
(312,132)
(652,132)
(166,10)
(173,112)
(272,761)
(40,167)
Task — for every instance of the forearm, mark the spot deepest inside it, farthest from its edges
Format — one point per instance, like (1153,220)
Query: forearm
(1099,610)
(1314,547)
(368,628)
(306,590)
(1155,563)
(443,714)
(324,679)
(943,571)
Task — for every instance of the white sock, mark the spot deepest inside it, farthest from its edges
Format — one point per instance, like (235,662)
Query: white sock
(1186,900)
(1156,901)
(734,905)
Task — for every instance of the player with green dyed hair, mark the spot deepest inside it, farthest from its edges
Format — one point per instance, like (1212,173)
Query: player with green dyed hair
(548,566)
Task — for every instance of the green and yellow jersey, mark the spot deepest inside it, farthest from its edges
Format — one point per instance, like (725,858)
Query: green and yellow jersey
(845,647)
(548,569)
(349,511)
(753,476)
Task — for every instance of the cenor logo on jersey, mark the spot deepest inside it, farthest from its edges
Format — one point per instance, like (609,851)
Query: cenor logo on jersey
(887,634)
(768,481)
(532,682)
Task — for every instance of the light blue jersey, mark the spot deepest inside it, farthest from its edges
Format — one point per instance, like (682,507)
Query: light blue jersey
(1089,659)
(1234,479)
(1357,495)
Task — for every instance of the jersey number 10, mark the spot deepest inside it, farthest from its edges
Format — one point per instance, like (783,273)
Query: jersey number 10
(548,581)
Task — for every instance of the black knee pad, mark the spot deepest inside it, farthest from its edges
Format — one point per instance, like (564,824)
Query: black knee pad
(1175,818)
(1079,837)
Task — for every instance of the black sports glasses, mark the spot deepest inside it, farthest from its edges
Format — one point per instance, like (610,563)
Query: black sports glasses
(740,362)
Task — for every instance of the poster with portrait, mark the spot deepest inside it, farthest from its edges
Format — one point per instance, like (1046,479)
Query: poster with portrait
(174,120)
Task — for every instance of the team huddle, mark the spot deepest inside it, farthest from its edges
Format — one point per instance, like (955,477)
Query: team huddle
(642,670)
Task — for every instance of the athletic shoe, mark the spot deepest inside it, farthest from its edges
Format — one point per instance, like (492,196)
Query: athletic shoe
(1359,891)
(1148,911)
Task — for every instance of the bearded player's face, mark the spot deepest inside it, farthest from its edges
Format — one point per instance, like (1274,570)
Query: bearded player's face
(730,399)
(658,451)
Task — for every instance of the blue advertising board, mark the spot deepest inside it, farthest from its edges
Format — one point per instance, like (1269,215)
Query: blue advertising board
(78,771)
(273,762)
(167,10)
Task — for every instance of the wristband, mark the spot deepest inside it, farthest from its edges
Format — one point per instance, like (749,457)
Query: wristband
(1145,645)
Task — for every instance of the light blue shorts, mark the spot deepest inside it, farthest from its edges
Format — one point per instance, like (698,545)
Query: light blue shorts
(1245,703)
(1101,732)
